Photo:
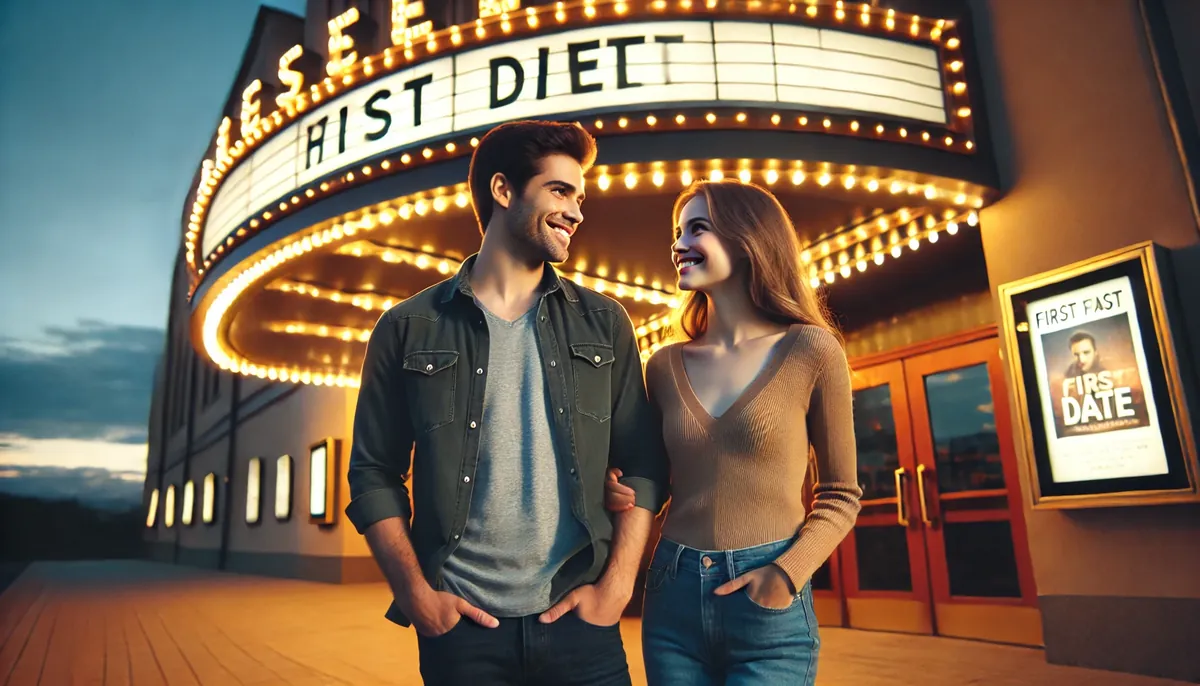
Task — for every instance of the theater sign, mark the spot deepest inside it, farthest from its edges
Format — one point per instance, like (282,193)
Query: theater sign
(371,132)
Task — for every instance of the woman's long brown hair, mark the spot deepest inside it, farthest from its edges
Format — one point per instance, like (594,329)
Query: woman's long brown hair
(750,220)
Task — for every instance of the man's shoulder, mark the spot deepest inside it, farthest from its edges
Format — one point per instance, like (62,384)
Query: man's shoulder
(592,299)
(425,304)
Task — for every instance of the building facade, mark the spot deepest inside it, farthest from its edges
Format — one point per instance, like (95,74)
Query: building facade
(957,170)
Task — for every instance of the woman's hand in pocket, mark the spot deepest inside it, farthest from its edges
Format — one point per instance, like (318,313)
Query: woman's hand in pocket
(767,586)
(617,496)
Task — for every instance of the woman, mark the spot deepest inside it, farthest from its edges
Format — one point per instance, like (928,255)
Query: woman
(760,378)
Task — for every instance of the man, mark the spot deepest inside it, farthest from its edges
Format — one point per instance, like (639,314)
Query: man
(1085,359)
(519,389)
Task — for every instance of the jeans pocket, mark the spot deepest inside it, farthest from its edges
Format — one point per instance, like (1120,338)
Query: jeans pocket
(796,600)
(656,578)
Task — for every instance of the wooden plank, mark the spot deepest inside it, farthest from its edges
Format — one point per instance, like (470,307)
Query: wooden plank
(116,649)
(175,667)
(19,636)
(143,663)
(205,666)
(16,601)
(28,667)
(87,653)
(235,656)
(68,630)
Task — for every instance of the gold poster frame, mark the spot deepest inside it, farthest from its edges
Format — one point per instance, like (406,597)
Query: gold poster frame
(1153,263)
(332,446)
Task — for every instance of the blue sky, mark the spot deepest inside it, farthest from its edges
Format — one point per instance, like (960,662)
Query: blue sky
(106,110)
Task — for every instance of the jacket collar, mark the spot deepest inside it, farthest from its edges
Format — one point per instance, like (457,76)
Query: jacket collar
(551,282)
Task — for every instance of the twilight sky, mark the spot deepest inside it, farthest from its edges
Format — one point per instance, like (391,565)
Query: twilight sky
(105,111)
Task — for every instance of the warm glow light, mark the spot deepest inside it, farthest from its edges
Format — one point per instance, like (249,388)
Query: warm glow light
(208,500)
(169,507)
(291,78)
(342,54)
(251,108)
(189,503)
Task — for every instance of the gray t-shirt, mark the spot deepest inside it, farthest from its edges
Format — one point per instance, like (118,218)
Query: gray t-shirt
(520,528)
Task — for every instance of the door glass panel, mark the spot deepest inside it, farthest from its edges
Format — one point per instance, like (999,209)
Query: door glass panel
(980,559)
(875,435)
(882,558)
(822,579)
(963,422)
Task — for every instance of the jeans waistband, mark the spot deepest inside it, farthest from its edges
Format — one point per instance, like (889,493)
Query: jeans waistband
(676,557)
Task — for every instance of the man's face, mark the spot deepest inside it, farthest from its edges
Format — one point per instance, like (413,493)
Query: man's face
(1085,354)
(542,219)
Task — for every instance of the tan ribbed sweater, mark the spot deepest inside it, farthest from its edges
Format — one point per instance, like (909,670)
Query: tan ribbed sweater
(737,480)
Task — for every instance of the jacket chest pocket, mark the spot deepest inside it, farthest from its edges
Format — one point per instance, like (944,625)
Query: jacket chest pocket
(432,379)
(592,364)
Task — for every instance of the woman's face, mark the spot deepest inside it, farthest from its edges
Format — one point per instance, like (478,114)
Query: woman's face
(701,258)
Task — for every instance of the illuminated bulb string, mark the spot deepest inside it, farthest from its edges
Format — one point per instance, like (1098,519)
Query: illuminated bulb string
(232,287)
(348,70)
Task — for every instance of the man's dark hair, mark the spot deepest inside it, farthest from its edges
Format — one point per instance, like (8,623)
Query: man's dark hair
(515,149)
(1082,336)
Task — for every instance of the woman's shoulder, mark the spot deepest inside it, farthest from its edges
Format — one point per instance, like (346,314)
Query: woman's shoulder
(818,344)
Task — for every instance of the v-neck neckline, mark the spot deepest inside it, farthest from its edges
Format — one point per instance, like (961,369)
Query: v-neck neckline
(683,382)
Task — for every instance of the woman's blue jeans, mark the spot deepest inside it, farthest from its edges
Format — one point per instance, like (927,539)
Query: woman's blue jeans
(693,637)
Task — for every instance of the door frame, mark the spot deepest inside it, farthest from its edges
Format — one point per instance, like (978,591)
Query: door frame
(938,590)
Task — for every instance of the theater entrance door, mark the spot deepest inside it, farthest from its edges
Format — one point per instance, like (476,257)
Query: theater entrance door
(940,545)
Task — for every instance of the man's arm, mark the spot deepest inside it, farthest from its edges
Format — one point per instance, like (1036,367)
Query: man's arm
(380,457)
(637,446)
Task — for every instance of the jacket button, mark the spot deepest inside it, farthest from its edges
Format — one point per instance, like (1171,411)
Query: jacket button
(597,359)
(456,537)
(560,410)
(553,363)
(466,479)
(429,368)
(472,425)
(479,371)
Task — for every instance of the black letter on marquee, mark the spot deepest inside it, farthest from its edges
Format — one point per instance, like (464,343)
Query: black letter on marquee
(664,40)
(319,144)
(382,115)
(543,70)
(415,86)
(345,112)
(578,66)
(622,63)
(518,74)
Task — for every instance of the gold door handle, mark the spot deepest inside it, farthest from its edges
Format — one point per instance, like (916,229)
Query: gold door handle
(901,515)
(921,470)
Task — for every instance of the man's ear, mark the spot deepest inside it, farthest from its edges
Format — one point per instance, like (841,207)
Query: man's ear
(502,190)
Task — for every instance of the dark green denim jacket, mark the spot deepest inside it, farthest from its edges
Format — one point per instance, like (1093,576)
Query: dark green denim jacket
(422,384)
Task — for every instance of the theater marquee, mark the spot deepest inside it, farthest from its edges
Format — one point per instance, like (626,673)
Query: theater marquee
(1106,418)
(637,65)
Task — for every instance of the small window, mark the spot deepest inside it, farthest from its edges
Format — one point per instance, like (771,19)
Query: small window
(322,464)
(169,507)
(283,488)
(152,511)
(189,502)
(208,501)
(254,491)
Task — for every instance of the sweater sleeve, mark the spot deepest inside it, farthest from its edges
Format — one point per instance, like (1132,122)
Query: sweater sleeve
(836,495)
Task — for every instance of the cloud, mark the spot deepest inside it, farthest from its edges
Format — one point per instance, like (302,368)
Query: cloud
(987,408)
(95,486)
(944,379)
(69,452)
(90,382)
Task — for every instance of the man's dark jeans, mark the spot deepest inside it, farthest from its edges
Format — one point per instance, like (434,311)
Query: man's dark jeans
(524,652)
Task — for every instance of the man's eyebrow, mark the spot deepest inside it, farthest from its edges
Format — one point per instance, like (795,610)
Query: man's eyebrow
(570,187)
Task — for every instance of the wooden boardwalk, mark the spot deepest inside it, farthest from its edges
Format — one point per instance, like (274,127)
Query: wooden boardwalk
(135,622)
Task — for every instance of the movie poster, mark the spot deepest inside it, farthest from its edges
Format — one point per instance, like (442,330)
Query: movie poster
(1097,405)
